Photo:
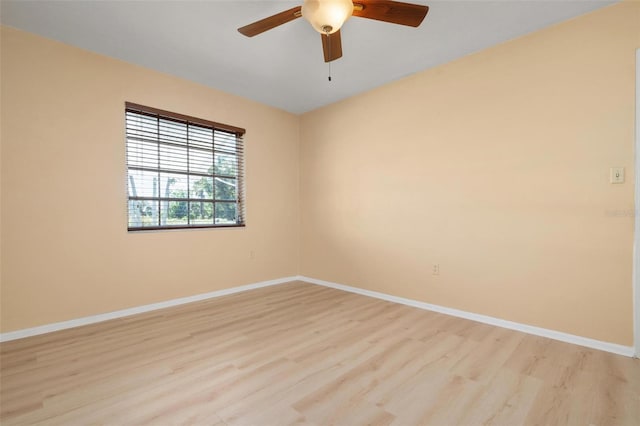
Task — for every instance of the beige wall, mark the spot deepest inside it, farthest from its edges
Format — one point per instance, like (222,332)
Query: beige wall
(495,167)
(66,251)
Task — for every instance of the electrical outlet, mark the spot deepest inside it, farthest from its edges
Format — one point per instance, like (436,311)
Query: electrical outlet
(252,254)
(436,269)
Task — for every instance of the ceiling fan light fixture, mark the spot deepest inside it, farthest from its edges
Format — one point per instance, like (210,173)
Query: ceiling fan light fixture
(327,16)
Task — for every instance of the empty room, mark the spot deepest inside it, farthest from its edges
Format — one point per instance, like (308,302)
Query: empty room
(320,212)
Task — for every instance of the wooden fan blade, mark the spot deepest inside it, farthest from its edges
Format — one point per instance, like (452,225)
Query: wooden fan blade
(332,46)
(394,12)
(270,22)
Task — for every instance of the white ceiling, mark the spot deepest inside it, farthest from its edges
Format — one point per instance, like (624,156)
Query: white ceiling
(284,67)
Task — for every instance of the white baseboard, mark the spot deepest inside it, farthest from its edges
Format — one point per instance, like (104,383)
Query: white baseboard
(543,332)
(48,328)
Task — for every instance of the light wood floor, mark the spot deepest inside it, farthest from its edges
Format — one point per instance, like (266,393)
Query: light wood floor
(299,353)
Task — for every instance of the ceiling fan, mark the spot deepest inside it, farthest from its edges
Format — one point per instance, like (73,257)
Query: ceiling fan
(327,16)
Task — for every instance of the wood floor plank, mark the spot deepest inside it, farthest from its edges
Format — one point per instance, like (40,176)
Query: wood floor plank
(304,354)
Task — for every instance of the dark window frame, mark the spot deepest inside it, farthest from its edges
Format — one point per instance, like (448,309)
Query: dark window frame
(221,135)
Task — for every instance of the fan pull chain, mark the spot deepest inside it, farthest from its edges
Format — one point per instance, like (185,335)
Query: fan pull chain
(327,29)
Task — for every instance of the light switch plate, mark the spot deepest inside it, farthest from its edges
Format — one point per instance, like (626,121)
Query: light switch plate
(617,175)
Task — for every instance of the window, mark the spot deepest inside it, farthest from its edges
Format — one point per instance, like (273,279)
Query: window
(182,172)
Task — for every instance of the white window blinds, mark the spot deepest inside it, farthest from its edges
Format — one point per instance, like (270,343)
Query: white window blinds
(183,172)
